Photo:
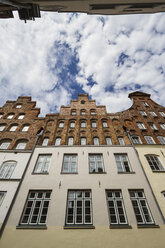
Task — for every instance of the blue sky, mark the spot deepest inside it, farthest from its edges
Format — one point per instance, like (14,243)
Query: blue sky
(60,55)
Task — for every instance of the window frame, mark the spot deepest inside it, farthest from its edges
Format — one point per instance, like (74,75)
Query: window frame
(149,137)
(72,124)
(94,141)
(25,128)
(21,116)
(45,141)
(21,144)
(152,126)
(162,125)
(10,116)
(7,168)
(153,113)
(97,169)
(57,141)
(47,160)
(82,124)
(121,141)
(61,124)
(162,113)
(75,199)
(107,139)
(138,138)
(3,193)
(93,124)
(141,126)
(85,139)
(143,113)
(149,158)
(70,155)
(2,127)
(8,142)
(70,141)
(15,128)
(122,168)
(161,139)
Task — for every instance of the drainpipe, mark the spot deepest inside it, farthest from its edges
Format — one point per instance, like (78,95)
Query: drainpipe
(39,133)
(137,155)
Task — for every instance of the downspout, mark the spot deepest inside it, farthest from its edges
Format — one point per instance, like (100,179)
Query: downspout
(39,133)
(137,155)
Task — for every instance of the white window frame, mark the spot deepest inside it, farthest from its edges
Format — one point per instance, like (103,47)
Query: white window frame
(149,140)
(83,141)
(114,197)
(152,126)
(154,162)
(73,112)
(145,104)
(141,125)
(96,141)
(162,125)
(61,124)
(83,112)
(45,141)
(75,197)
(121,141)
(43,163)
(108,141)
(136,140)
(2,196)
(72,124)
(6,169)
(96,164)
(70,163)
(93,112)
(94,124)
(83,124)
(153,113)
(137,199)
(70,141)
(5,144)
(162,113)
(10,116)
(2,127)
(161,139)
(21,146)
(123,163)
(44,204)
(25,128)
(13,128)
(58,141)
(105,124)
(18,106)
(21,116)
(143,113)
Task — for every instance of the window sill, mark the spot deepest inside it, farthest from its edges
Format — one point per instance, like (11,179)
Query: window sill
(131,172)
(148,226)
(98,172)
(79,227)
(31,227)
(40,173)
(120,226)
(160,171)
(69,173)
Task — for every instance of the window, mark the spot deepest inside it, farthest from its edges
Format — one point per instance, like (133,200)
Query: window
(45,142)
(141,125)
(161,140)
(72,124)
(136,140)
(25,128)
(5,144)
(149,140)
(73,112)
(7,169)
(96,163)
(154,163)
(2,196)
(96,141)
(122,163)
(152,126)
(116,208)
(70,141)
(13,128)
(42,165)
(69,163)
(143,113)
(153,113)
(18,106)
(162,113)
(21,116)
(58,141)
(2,127)
(10,116)
(83,112)
(162,125)
(105,124)
(94,124)
(83,124)
(61,124)
(1,114)
(79,208)
(83,141)
(145,104)
(140,206)
(121,141)
(108,141)
(36,208)
(93,112)
(21,145)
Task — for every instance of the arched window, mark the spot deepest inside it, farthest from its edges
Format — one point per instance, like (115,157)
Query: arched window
(83,112)
(154,162)
(149,140)
(96,141)
(7,169)
(21,144)
(73,112)
(70,141)
(25,128)
(58,141)
(10,116)
(83,124)
(121,141)
(45,141)
(61,124)
(161,140)
(21,116)
(83,141)
(136,140)
(93,124)
(4,144)
(18,106)
(108,141)
(93,112)
(13,127)
(72,124)
(2,127)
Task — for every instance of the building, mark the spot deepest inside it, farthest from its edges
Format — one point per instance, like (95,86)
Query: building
(84,184)
(28,10)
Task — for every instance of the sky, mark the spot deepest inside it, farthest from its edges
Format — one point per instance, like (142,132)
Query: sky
(58,56)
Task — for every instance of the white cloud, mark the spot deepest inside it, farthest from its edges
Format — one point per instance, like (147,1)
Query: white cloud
(35,56)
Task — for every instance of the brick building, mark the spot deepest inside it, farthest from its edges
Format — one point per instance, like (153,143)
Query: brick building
(87,180)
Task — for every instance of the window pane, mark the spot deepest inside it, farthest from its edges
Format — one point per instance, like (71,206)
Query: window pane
(69,163)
